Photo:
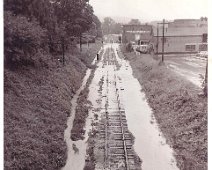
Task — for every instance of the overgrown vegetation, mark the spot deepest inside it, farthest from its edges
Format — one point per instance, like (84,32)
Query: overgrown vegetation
(36,106)
(22,38)
(44,26)
(38,88)
(82,109)
(129,47)
(179,110)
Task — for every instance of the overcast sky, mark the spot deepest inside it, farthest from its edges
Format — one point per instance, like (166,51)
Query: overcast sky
(150,10)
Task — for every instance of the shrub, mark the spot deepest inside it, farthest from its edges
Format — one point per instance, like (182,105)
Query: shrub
(129,47)
(22,38)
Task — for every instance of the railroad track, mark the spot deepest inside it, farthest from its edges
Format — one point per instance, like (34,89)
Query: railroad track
(118,149)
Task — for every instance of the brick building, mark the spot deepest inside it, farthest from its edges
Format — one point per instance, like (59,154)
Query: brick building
(140,34)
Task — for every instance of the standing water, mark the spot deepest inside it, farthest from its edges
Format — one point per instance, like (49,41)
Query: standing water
(76,160)
(150,144)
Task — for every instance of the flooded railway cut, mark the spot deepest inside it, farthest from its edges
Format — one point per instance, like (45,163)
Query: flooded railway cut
(120,122)
(116,141)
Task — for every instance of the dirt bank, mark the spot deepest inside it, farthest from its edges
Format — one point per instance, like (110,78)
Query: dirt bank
(180,112)
(36,105)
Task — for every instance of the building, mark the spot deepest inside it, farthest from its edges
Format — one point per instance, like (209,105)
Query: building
(182,36)
(140,34)
(112,38)
(179,23)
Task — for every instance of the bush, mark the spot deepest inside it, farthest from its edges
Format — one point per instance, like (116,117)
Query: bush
(22,38)
(129,47)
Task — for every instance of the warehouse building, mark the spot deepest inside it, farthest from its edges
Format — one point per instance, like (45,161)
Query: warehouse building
(183,36)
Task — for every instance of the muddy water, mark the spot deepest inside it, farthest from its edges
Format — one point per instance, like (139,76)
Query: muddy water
(150,144)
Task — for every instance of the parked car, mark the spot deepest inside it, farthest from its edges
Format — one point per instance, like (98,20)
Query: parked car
(142,48)
(202,54)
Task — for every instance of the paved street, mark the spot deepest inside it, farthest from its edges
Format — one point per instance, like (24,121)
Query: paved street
(191,67)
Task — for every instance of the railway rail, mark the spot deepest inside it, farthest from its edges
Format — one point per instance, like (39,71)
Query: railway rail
(118,148)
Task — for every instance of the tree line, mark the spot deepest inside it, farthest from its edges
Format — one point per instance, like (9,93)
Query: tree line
(110,26)
(42,25)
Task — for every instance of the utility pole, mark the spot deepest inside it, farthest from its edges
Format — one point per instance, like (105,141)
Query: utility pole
(163,41)
(157,38)
(163,37)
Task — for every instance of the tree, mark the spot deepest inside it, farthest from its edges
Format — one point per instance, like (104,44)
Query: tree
(134,22)
(18,7)
(117,28)
(204,19)
(98,26)
(22,38)
(107,25)
(75,15)
(60,20)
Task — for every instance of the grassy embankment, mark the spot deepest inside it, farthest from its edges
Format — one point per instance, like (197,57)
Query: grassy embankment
(179,110)
(36,105)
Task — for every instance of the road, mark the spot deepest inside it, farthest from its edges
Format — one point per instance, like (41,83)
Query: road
(190,67)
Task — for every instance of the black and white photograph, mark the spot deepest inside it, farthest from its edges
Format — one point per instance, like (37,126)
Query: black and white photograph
(105,84)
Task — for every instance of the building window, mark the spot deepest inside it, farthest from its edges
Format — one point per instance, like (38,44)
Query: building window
(190,47)
(204,38)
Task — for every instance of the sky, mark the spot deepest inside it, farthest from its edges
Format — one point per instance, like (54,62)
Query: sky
(150,10)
